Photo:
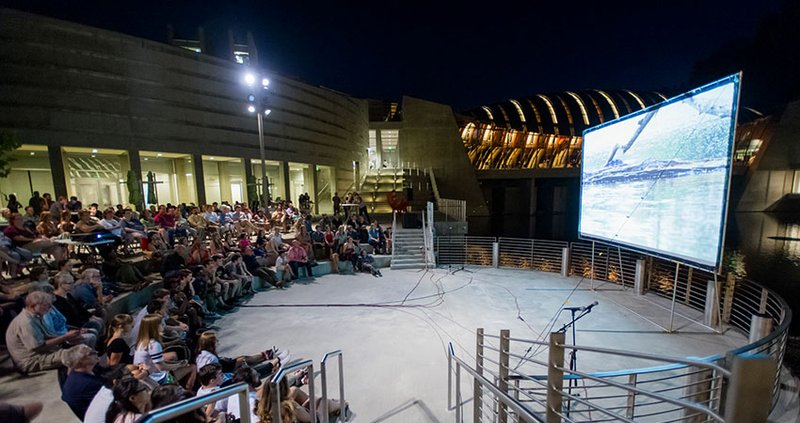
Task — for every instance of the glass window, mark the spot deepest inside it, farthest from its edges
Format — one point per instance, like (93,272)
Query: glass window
(301,181)
(97,175)
(30,171)
(389,145)
(174,177)
(326,186)
(224,179)
(274,175)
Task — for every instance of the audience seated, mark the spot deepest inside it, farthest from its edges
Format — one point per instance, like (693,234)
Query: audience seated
(30,346)
(207,259)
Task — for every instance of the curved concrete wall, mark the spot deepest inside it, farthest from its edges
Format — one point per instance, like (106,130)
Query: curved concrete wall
(65,84)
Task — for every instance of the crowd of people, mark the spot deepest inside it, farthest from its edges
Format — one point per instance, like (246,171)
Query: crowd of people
(65,264)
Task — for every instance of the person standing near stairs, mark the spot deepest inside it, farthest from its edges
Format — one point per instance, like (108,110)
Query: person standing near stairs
(362,206)
(336,203)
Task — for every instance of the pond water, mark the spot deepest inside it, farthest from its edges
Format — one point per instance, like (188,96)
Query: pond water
(770,244)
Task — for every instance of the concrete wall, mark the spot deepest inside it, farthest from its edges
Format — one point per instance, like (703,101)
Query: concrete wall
(430,137)
(66,84)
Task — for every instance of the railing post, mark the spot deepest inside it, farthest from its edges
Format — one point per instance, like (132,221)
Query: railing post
(688,293)
(697,390)
(565,262)
(760,326)
(762,305)
(459,417)
(495,254)
(640,282)
(555,377)
(631,410)
(727,303)
(750,389)
(477,396)
(711,315)
(503,372)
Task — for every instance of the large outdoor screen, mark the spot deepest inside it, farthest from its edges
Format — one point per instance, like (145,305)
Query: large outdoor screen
(657,180)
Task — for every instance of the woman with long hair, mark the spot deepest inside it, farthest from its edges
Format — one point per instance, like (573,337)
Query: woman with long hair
(131,400)
(150,352)
(264,362)
(117,349)
(294,405)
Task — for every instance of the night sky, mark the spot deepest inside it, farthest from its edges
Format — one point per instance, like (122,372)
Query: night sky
(463,53)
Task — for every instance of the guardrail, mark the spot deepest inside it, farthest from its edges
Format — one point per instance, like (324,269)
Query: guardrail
(724,300)
(173,411)
(324,377)
(276,393)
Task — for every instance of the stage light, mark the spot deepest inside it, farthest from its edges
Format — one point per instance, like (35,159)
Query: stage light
(267,112)
(249,79)
(251,108)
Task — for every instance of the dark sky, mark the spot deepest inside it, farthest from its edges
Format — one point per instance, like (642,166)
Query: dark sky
(455,52)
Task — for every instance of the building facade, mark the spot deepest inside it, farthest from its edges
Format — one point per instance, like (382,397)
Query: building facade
(89,105)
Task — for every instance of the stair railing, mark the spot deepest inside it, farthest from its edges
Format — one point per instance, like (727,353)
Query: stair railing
(170,412)
(324,377)
(276,393)
(451,208)
(427,218)
(394,231)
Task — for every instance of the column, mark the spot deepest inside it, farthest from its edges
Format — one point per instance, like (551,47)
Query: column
(287,192)
(313,188)
(248,176)
(58,172)
(199,179)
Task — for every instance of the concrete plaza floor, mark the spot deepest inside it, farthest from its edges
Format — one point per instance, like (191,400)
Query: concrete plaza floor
(394,332)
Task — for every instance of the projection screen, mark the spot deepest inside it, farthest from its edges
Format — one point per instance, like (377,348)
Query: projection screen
(657,181)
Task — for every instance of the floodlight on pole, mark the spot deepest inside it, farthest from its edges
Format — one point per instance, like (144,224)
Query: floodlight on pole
(253,101)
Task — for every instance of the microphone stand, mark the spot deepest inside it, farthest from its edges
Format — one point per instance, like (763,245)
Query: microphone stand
(573,355)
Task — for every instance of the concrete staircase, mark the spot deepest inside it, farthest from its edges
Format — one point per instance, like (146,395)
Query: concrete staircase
(409,249)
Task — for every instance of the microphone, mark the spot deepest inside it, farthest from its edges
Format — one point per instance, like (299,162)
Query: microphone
(587,308)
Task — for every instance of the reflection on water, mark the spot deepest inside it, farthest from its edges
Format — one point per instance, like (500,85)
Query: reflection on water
(772,256)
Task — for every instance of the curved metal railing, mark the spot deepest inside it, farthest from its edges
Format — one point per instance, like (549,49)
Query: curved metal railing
(684,390)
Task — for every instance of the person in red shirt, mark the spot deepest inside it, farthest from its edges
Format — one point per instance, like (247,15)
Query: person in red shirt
(30,241)
(165,219)
(298,258)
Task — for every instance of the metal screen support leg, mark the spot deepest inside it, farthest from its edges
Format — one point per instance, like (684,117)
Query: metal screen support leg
(591,271)
(555,376)
(503,371)
(477,394)
(674,294)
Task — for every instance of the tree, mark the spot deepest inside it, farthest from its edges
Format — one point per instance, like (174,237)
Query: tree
(9,141)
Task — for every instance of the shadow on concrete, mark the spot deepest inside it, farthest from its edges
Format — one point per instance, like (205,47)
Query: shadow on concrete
(405,407)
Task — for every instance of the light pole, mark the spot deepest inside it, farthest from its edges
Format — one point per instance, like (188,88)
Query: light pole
(256,106)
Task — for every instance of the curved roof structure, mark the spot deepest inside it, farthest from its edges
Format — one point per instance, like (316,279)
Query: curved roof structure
(567,113)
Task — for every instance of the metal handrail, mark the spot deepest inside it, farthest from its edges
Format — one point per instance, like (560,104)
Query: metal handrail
(394,231)
(324,378)
(737,301)
(275,385)
(182,407)
(523,412)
